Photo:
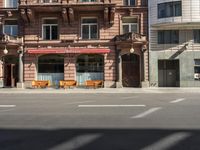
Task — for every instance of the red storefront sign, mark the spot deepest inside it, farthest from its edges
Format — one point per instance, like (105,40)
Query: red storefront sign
(70,50)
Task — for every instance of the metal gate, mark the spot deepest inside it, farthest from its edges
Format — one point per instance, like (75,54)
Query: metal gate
(168,73)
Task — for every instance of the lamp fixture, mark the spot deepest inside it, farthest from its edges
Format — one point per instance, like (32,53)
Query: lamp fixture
(5,51)
(132,49)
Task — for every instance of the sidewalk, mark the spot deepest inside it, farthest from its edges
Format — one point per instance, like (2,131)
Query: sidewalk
(101,90)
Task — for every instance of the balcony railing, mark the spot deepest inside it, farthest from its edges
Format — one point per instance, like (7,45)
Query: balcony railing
(130,37)
(29,2)
(4,38)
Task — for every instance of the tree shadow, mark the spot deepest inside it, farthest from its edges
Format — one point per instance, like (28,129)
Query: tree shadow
(99,139)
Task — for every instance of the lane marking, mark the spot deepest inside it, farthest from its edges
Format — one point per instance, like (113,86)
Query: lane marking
(169,141)
(111,105)
(177,100)
(129,97)
(4,106)
(146,112)
(80,102)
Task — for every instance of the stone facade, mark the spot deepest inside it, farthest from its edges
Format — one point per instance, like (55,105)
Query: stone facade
(109,14)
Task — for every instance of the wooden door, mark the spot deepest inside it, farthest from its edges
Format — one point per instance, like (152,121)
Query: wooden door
(130,70)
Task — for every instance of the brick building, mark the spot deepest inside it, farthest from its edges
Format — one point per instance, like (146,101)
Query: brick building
(74,40)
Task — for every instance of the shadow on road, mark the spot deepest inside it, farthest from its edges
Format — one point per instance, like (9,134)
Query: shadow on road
(99,139)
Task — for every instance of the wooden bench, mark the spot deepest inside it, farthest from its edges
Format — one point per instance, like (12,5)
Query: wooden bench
(94,83)
(40,83)
(67,83)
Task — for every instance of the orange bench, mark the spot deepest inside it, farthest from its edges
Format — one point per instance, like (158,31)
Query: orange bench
(40,83)
(67,83)
(94,83)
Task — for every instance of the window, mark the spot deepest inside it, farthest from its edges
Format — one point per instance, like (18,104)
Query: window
(50,29)
(89,29)
(169,9)
(90,63)
(129,2)
(196,35)
(129,24)
(49,1)
(168,37)
(197,69)
(51,64)
(11,3)
(10,27)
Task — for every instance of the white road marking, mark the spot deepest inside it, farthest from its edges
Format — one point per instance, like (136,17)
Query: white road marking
(169,141)
(146,112)
(80,102)
(111,105)
(77,142)
(131,97)
(5,106)
(177,100)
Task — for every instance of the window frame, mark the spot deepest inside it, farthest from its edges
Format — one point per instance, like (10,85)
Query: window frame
(163,34)
(165,5)
(129,3)
(11,26)
(6,4)
(196,75)
(82,24)
(129,24)
(43,25)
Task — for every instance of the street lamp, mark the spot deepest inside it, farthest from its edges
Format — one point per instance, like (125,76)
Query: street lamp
(132,49)
(5,51)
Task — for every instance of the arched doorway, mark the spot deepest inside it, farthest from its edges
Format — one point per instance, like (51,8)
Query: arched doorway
(130,70)
(51,67)
(89,67)
(10,70)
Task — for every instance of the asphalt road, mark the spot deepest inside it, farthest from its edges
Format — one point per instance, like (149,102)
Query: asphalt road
(100,121)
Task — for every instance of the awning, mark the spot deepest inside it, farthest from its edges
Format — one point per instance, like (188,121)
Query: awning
(69,50)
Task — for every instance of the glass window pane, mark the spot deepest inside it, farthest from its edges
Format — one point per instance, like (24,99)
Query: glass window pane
(196,35)
(175,37)
(178,8)
(134,28)
(132,2)
(197,62)
(54,32)
(126,2)
(125,29)
(167,37)
(7,29)
(46,32)
(85,31)
(169,9)
(14,30)
(93,30)
(161,10)
(160,37)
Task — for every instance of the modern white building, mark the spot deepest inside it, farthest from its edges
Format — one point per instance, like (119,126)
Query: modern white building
(174,36)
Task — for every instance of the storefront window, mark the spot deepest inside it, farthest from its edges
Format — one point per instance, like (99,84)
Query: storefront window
(51,67)
(89,67)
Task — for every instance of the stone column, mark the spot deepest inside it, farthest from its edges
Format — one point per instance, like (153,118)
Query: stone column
(119,60)
(20,83)
(145,82)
